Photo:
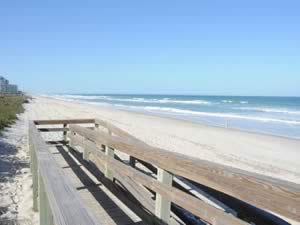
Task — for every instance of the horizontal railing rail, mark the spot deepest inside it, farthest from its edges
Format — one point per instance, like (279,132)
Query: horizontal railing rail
(63,121)
(54,196)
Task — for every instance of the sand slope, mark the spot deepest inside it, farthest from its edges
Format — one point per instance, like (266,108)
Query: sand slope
(15,176)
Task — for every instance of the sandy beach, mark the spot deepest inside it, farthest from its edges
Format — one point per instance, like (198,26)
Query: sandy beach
(267,155)
(263,154)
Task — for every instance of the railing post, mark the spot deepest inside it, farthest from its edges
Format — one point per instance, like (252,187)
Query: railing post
(65,132)
(35,182)
(86,154)
(163,205)
(46,217)
(111,153)
(132,161)
(34,172)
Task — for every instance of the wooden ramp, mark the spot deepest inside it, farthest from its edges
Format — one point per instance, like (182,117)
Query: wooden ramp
(96,197)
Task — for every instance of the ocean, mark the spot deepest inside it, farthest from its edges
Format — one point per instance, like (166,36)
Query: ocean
(278,116)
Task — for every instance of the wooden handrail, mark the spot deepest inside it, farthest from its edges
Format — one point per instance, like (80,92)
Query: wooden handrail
(59,201)
(64,121)
(55,129)
(264,192)
(115,130)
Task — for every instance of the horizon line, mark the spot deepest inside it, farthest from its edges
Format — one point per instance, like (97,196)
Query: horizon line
(169,94)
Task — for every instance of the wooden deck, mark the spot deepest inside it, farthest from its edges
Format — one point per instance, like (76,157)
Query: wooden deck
(102,203)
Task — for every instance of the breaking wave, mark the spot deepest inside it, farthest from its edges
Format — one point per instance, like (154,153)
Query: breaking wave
(269,110)
(140,100)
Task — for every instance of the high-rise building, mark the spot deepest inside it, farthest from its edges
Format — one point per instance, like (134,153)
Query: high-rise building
(3,84)
(5,87)
(12,89)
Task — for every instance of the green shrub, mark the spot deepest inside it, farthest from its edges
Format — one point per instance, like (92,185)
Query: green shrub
(10,106)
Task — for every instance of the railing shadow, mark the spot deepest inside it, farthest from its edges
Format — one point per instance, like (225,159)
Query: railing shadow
(101,197)
(118,190)
(10,163)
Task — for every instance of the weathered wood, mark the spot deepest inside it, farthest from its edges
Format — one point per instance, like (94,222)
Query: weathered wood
(85,154)
(35,183)
(67,121)
(196,206)
(46,217)
(110,153)
(65,132)
(189,187)
(162,204)
(132,161)
(178,180)
(53,129)
(112,128)
(264,192)
(141,193)
(34,171)
(95,195)
(66,206)
(132,194)
(138,191)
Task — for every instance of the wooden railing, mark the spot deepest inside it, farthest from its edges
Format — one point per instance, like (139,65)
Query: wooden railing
(278,196)
(54,197)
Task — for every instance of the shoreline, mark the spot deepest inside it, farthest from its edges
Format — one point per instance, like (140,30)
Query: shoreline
(225,125)
(175,118)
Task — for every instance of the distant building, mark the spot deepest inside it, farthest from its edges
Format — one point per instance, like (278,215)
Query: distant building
(7,88)
(12,89)
(3,85)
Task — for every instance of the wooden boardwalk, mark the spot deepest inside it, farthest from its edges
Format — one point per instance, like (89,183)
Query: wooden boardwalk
(85,179)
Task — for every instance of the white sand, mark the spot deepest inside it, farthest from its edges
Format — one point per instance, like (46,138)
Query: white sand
(263,154)
(16,180)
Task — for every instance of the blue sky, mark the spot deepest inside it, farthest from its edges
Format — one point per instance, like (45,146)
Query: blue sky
(177,47)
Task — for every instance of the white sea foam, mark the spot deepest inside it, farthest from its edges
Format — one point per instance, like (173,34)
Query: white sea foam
(227,101)
(231,101)
(161,101)
(139,100)
(87,97)
(208,114)
(269,110)
(78,100)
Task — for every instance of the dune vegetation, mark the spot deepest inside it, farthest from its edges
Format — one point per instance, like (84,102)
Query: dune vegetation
(10,106)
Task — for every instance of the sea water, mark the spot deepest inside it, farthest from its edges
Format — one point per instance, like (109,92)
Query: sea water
(270,115)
